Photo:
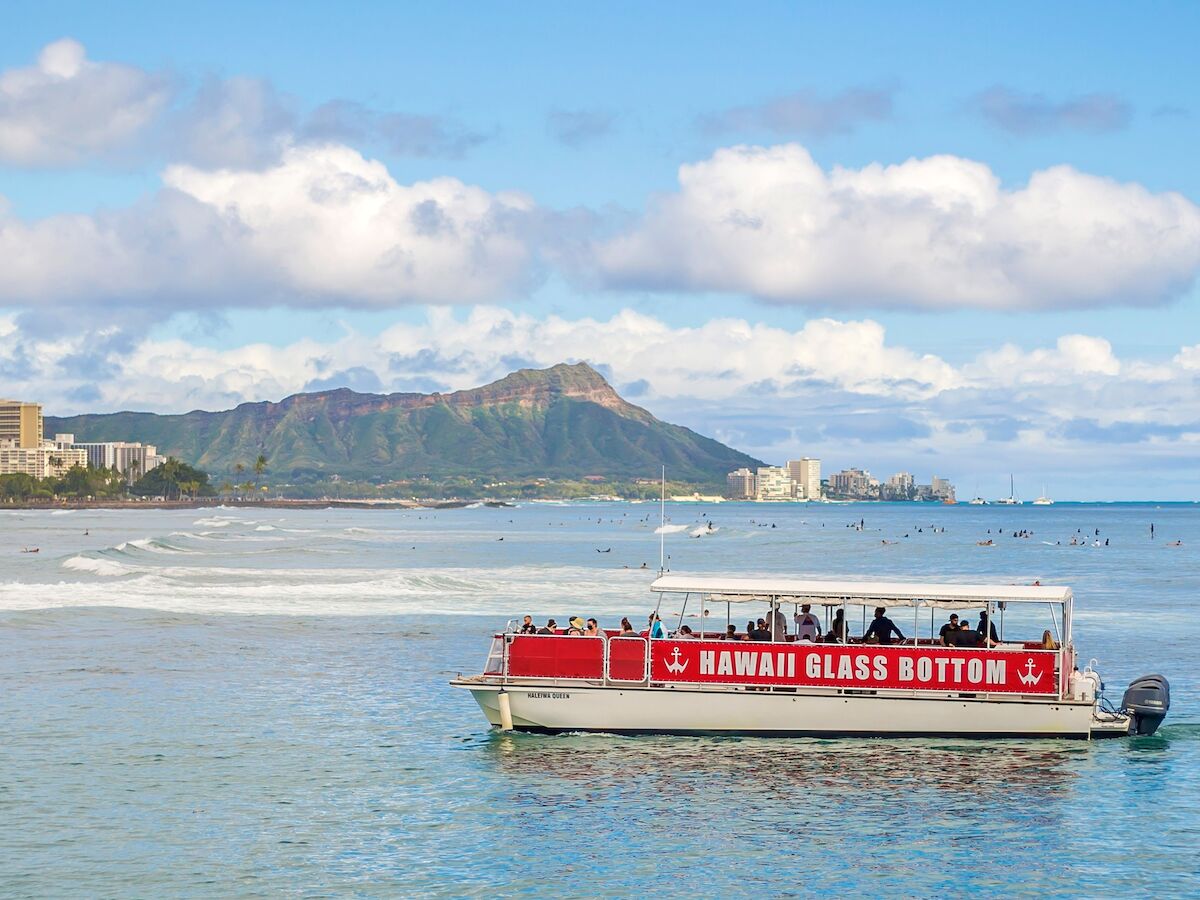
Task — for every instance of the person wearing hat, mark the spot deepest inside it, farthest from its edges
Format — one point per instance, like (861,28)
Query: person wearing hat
(952,625)
(576,626)
(551,627)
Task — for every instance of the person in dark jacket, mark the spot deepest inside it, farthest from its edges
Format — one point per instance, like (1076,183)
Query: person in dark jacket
(987,631)
(882,628)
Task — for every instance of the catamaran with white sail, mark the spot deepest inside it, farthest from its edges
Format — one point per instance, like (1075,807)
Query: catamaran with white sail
(1011,499)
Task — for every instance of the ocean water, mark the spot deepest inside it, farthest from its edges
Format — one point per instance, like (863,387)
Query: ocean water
(242,702)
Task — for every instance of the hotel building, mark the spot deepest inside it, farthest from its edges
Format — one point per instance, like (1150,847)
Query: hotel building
(740,485)
(806,473)
(773,483)
(24,450)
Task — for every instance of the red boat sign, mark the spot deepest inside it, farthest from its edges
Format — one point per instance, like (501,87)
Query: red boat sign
(866,667)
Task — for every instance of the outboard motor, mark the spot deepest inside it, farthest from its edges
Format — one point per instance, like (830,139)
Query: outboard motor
(1147,700)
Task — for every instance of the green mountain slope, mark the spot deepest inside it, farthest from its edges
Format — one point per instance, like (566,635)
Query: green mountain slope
(561,422)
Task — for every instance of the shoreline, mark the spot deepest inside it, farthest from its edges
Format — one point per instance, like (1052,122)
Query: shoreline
(277,503)
(368,503)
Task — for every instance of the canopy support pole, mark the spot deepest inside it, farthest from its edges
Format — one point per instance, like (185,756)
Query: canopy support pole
(681,612)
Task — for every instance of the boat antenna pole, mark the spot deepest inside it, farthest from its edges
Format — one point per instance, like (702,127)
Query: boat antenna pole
(662,525)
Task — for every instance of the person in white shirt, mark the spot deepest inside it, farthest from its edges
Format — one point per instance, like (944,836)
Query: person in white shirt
(807,625)
(779,624)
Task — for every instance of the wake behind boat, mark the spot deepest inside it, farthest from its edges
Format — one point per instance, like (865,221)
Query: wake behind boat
(820,680)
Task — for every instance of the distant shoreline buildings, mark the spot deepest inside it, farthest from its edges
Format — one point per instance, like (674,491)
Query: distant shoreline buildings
(800,479)
(24,449)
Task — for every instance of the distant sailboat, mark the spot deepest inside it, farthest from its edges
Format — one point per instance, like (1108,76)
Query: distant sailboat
(977,500)
(1043,500)
(1011,499)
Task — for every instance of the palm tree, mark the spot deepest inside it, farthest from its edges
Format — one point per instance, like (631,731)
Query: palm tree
(226,488)
(260,466)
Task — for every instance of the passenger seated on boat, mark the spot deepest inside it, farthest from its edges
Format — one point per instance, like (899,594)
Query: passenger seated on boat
(760,632)
(685,634)
(627,628)
(987,631)
(966,636)
(551,627)
(807,624)
(837,631)
(527,627)
(593,629)
(576,629)
(1048,641)
(950,626)
(882,628)
(731,633)
(656,626)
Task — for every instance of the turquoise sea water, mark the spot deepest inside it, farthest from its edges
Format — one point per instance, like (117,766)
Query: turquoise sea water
(232,702)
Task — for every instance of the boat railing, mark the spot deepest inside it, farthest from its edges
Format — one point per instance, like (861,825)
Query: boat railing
(616,661)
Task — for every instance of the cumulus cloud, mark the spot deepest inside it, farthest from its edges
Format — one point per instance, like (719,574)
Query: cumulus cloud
(323,226)
(67,109)
(804,114)
(233,122)
(575,128)
(934,233)
(1025,114)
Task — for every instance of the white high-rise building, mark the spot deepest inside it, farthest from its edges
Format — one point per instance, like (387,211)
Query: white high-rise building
(806,472)
(132,459)
(773,483)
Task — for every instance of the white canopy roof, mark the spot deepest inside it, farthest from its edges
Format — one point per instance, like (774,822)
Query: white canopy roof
(834,593)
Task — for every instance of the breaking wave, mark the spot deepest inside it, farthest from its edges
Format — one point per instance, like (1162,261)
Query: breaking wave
(104,567)
(501,593)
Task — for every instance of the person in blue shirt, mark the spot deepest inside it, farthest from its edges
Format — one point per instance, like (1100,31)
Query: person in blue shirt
(656,627)
(882,628)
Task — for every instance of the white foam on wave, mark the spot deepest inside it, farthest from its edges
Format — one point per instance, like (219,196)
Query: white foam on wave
(62,512)
(670,529)
(702,531)
(105,567)
(502,593)
(213,522)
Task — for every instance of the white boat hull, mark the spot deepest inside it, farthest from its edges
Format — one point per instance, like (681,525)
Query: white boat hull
(689,710)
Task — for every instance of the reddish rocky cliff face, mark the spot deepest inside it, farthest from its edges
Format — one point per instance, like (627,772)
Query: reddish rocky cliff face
(527,388)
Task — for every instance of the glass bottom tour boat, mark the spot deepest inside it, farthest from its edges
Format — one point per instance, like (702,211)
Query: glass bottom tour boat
(835,685)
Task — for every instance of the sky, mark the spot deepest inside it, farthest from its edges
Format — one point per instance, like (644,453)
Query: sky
(925,237)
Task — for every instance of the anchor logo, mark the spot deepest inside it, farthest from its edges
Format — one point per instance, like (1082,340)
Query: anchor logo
(676,667)
(1029,677)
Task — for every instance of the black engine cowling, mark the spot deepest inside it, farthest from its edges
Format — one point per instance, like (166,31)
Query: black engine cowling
(1147,700)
